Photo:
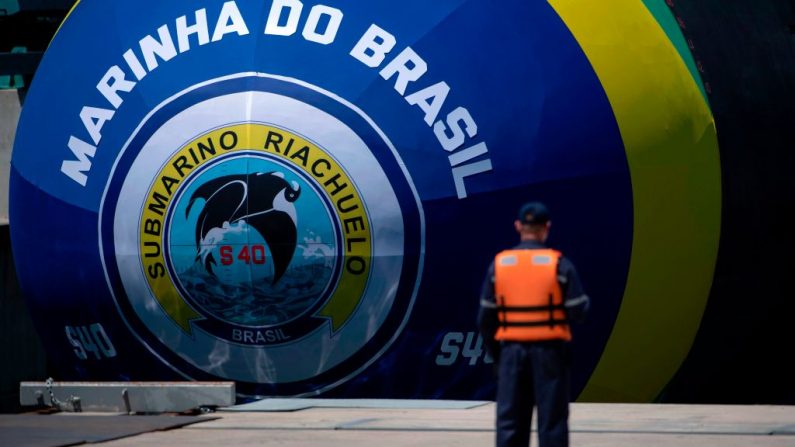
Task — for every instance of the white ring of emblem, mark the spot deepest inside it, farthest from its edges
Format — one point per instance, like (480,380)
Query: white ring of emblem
(319,350)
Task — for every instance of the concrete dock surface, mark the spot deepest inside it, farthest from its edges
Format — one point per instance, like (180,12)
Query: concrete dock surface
(391,424)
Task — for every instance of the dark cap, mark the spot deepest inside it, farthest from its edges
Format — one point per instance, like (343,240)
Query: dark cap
(533,213)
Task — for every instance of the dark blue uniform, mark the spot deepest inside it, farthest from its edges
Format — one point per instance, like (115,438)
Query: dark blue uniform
(532,373)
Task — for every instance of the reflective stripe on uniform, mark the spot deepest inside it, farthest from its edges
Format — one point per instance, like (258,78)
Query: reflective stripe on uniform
(576,301)
(488,304)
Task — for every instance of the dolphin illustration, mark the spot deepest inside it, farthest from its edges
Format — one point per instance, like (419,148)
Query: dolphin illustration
(263,200)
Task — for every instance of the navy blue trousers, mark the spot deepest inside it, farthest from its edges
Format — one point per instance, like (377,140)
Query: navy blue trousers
(533,374)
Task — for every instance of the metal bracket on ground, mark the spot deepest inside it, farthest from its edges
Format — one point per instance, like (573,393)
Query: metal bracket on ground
(128,397)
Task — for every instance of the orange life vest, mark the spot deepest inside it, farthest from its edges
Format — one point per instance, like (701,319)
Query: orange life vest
(529,296)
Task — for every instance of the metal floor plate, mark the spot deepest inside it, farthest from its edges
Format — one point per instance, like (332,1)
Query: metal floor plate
(293,404)
(64,429)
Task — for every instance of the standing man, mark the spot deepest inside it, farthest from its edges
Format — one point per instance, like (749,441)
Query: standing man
(530,295)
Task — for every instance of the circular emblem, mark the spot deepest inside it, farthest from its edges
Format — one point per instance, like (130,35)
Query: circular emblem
(254,232)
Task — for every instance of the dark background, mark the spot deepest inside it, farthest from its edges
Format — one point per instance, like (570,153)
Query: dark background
(743,351)
(745,51)
(22,356)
